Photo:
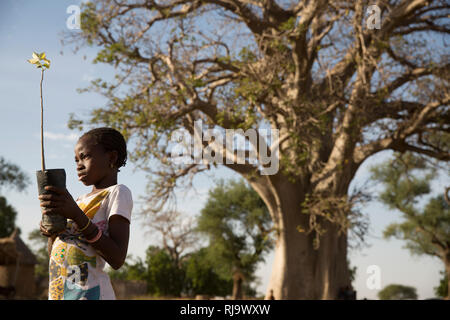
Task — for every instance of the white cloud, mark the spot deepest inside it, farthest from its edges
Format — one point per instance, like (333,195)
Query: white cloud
(61,136)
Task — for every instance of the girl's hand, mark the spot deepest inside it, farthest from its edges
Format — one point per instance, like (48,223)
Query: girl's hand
(47,234)
(60,202)
(44,231)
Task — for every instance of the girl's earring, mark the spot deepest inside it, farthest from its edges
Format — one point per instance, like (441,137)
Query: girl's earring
(111,166)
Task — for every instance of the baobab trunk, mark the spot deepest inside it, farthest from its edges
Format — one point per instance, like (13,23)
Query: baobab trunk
(299,271)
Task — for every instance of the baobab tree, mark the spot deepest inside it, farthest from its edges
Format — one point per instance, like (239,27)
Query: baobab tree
(339,82)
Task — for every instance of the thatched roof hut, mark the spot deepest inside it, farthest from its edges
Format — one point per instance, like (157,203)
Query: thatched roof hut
(17,266)
(13,248)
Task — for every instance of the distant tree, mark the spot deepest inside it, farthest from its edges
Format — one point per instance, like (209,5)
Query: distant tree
(7,218)
(406,179)
(202,277)
(133,269)
(175,233)
(352,271)
(195,275)
(397,292)
(238,225)
(40,250)
(12,175)
(164,276)
(442,289)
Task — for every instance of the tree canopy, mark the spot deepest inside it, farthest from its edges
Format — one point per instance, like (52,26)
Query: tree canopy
(165,278)
(238,226)
(203,277)
(12,175)
(7,218)
(310,69)
(397,292)
(195,275)
(406,179)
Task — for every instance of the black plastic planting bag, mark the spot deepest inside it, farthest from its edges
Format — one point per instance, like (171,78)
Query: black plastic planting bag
(53,223)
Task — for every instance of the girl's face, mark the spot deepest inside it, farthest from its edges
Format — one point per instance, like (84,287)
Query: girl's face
(94,163)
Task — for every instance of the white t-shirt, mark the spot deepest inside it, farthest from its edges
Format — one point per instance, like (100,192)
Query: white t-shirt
(75,268)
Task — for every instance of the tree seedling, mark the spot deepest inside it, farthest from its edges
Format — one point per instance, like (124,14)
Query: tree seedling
(41,62)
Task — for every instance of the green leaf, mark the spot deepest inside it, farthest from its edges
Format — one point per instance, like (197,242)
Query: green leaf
(40,60)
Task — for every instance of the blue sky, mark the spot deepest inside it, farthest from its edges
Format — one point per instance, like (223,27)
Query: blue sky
(28,26)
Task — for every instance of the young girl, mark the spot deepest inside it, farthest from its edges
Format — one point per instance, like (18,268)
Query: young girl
(98,223)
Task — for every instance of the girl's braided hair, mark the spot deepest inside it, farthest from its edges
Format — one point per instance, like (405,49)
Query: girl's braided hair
(111,140)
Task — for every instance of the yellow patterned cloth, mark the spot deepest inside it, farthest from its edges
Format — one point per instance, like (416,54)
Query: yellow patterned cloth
(75,269)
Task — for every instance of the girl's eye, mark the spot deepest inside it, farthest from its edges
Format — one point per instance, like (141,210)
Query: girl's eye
(82,157)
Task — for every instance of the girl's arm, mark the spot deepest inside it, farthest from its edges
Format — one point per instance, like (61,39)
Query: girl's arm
(113,248)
